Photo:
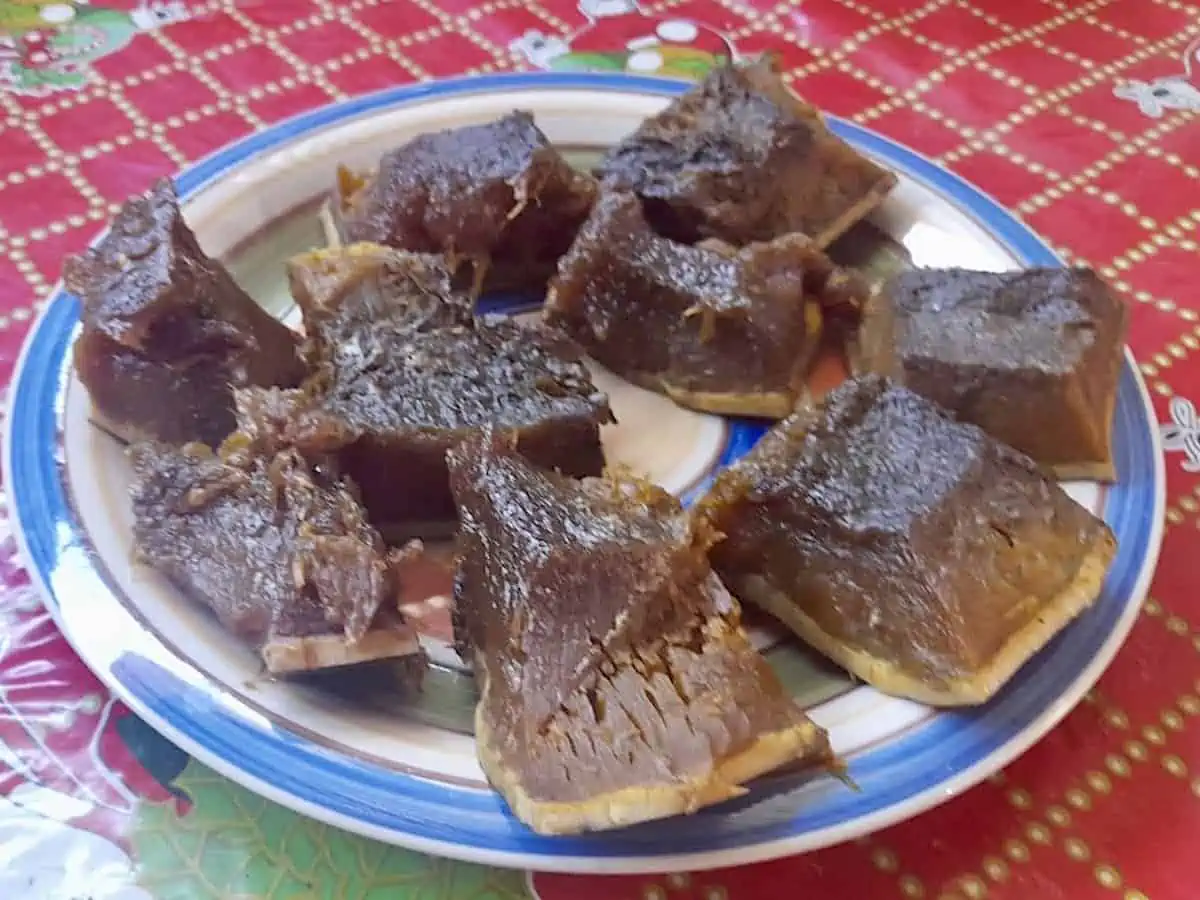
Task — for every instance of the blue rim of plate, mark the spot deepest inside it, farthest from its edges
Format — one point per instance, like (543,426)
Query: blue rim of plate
(921,768)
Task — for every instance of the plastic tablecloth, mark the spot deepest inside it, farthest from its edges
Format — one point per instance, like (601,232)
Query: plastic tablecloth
(1083,117)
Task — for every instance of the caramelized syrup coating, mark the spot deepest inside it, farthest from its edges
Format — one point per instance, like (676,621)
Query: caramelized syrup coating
(280,551)
(404,371)
(617,684)
(496,196)
(716,328)
(1033,357)
(167,334)
(924,556)
(742,159)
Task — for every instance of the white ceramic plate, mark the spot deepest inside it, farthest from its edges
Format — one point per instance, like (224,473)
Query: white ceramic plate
(403,771)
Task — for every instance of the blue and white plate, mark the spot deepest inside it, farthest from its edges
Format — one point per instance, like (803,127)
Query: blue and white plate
(404,771)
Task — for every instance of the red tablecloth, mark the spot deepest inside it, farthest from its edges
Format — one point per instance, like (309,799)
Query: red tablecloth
(1083,117)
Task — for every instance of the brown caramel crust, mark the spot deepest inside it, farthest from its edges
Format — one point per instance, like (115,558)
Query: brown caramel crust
(1033,357)
(617,682)
(717,328)
(885,675)
(497,199)
(279,550)
(904,544)
(167,334)
(741,158)
(403,371)
(643,803)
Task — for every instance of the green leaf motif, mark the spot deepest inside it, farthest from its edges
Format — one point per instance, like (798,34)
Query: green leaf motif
(576,61)
(235,845)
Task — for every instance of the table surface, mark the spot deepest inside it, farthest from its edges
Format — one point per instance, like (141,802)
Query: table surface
(1083,117)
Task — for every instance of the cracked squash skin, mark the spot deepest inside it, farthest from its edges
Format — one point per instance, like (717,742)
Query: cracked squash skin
(922,555)
(496,196)
(168,336)
(280,551)
(404,370)
(717,329)
(617,684)
(741,158)
(1032,357)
